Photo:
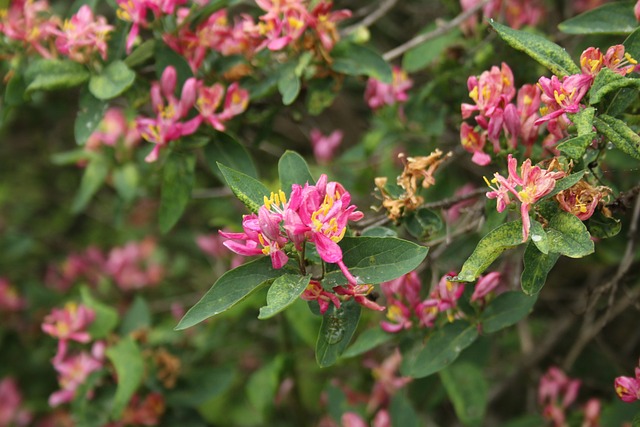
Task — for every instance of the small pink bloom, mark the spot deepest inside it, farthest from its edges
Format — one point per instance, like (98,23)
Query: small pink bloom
(31,22)
(134,11)
(378,94)
(619,61)
(474,142)
(388,382)
(69,323)
(360,294)
(11,411)
(133,267)
(591,61)
(636,10)
(485,285)
(562,97)
(10,300)
(557,389)
(351,419)
(73,371)
(83,35)
(628,388)
(315,292)
(592,413)
(324,147)
(448,292)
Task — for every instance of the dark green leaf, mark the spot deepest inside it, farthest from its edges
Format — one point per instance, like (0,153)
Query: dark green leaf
(114,80)
(489,248)
(125,180)
(293,169)
(423,223)
(129,364)
(611,18)
(92,179)
(608,81)
(536,268)
(506,310)
(263,384)
(106,316)
(526,421)
(227,150)
(141,54)
(402,413)
(15,92)
(569,236)
(632,44)
(440,350)
(357,60)
(368,340)
(539,237)
(468,391)
(338,326)
(177,183)
(289,84)
(320,95)
(547,53)
(90,114)
(284,291)
(165,57)
(379,232)
(621,100)
(249,191)
(199,15)
(565,183)
(575,147)
(620,135)
(603,227)
(231,288)
(52,74)
(377,259)
(421,56)
(204,384)
(137,317)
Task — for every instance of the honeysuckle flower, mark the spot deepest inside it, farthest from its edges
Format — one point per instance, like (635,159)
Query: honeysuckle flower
(528,104)
(323,20)
(592,413)
(11,411)
(113,130)
(486,284)
(31,22)
(360,294)
(168,124)
(132,266)
(628,388)
(324,147)
(388,382)
(73,371)
(557,389)
(517,13)
(636,10)
(403,299)
(619,61)
(491,91)
(591,61)
(134,11)
(562,96)
(452,214)
(582,199)
(532,184)
(10,300)
(82,35)
(69,323)
(474,142)
(447,293)
(378,94)
(315,292)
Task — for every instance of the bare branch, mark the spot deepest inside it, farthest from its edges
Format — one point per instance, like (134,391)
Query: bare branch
(378,13)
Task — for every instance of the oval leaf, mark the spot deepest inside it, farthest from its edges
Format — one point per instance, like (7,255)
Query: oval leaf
(249,191)
(620,135)
(468,391)
(536,268)
(231,288)
(338,326)
(489,248)
(568,236)
(106,316)
(293,169)
(376,259)
(547,53)
(114,80)
(612,18)
(368,340)
(539,237)
(289,85)
(227,150)
(603,227)
(357,60)
(129,364)
(52,74)
(92,179)
(506,310)
(90,114)
(607,82)
(284,291)
(576,147)
(177,183)
(423,223)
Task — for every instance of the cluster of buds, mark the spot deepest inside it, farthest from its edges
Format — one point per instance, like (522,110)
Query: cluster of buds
(557,392)
(379,94)
(628,388)
(315,214)
(170,121)
(517,13)
(325,146)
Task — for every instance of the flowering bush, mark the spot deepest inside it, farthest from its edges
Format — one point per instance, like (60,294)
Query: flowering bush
(445,233)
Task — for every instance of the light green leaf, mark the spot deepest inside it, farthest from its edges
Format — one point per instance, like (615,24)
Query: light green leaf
(52,74)
(177,183)
(468,390)
(584,120)
(284,291)
(402,413)
(489,248)
(289,84)
(137,317)
(249,191)
(537,266)
(92,179)
(421,56)
(263,384)
(90,114)
(231,288)
(423,223)
(129,364)
(611,18)
(320,95)
(106,316)
(569,236)
(114,80)
(338,326)
(357,60)
(539,237)
(440,350)
(293,169)
(547,53)
(506,310)
(368,340)
(608,81)
(125,180)
(376,259)
(141,54)
(575,147)
(225,149)
(620,135)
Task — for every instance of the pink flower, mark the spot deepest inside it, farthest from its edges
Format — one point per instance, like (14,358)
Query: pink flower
(351,419)
(82,35)
(30,22)
(10,300)
(591,61)
(378,94)
(474,142)
(360,294)
(73,371)
(403,299)
(528,103)
(562,97)
(315,292)
(636,10)
(11,412)
(592,413)
(387,382)
(485,285)
(324,147)
(619,61)
(448,292)
(556,389)
(69,323)
(134,11)
(452,214)
(534,183)
(491,91)
(628,388)
(132,266)
(323,21)
(167,125)
(114,129)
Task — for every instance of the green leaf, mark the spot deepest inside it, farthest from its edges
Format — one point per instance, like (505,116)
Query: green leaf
(263,384)
(293,169)
(565,183)
(114,80)
(536,268)
(141,54)
(227,150)
(126,180)
(129,364)
(489,248)
(421,56)
(575,147)
(468,391)
(248,190)
(608,81)
(320,95)
(204,384)
(539,237)
(92,179)
(632,44)
(368,340)
(14,94)
(506,310)
(423,223)
(231,288)
(284,291)
(569,236)
(611,18)
(137,317)
(106,316)
(376,259)
(165,57)
(177,183)
(338,326)
(357,60)
(603,227)
(90,114)
(526,421)
(379,232)
(440,350)
(620,135)
(547,53)
(402,413)
(52,74)
(289,84)
(584,120)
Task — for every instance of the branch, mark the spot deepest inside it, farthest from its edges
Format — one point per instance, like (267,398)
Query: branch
(368,20)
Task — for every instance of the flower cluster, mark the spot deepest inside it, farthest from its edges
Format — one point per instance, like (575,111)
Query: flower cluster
(114,131)
(12,412)
(628,388)
(528,187)
(378,94)
(517,13)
